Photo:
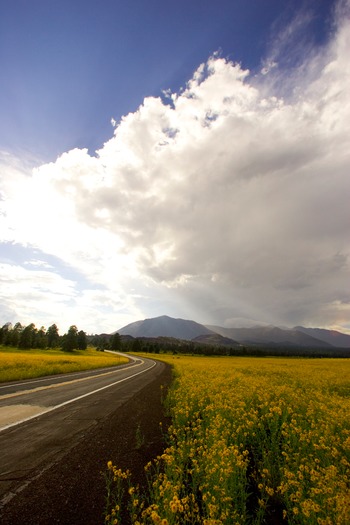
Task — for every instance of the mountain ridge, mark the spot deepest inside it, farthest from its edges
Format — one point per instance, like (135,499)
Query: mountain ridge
(333,337)
(271,335)
(166,326)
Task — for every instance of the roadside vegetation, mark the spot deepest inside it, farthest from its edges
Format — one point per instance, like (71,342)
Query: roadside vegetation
(17,365)
(252,441)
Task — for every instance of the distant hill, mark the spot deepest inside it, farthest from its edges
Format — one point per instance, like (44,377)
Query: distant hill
(331,337)
(265,335)
(165,326)
(215,339)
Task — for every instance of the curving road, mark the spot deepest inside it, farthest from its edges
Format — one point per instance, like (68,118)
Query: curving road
(42,419)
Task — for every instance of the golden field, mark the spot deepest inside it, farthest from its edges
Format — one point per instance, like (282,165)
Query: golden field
(16,365)
(252,441)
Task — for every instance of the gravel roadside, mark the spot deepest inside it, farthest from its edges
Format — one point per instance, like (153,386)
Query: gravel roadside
(73,491)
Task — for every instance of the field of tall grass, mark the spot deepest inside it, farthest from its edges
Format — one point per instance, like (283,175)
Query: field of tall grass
(16,365)
(253,441)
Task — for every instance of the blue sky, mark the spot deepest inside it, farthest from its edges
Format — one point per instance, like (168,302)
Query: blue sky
(180,158)
(69,67)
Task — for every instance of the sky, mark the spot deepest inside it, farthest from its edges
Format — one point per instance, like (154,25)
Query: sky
(189,159)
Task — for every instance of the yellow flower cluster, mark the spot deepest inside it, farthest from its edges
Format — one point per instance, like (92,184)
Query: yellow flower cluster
(253,438)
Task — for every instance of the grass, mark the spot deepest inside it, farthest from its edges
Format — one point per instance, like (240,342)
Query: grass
(254,441)
(17,365)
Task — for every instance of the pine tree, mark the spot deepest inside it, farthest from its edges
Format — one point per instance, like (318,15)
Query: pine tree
(81,340)
(116,342)
(52,336)
(70,339)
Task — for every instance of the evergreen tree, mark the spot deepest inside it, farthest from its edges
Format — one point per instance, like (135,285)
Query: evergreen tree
(52,336)
(81,340)
(16,334)
(136,346)
(41,338)
(70,339)
(5,334)
(116,342)
(27,337)
(100,342)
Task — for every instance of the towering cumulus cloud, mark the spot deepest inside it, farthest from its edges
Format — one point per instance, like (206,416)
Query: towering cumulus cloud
(231,196)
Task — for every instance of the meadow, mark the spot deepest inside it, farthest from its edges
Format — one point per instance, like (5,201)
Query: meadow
(16,365)
(252,441)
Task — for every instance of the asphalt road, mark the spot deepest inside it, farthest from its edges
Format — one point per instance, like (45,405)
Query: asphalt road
(43,419)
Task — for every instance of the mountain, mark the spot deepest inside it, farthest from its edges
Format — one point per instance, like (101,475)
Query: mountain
(266,335)
(331,337)
(263,335)
(165,326)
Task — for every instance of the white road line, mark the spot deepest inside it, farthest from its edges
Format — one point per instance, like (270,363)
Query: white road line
(77,398)
(64,383)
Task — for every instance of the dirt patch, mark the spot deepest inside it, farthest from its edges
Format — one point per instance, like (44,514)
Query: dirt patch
(73,491)
(14,413)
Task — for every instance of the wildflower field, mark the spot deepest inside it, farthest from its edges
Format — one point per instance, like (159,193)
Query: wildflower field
(17,365)
(252,441)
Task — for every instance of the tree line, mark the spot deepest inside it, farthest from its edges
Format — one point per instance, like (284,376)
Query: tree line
(27,337)
(168,345)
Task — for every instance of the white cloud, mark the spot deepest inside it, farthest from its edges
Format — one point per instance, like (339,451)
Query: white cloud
(22,293)
(38,263)
(232,201)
